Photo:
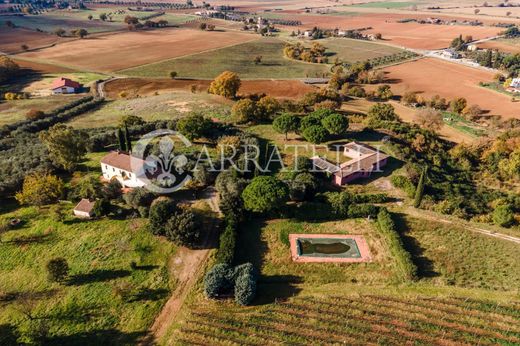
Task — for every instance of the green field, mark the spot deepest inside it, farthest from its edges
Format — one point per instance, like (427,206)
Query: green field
(168,106)
(442,255)
(50,21)
(356,50)
(89,307)
(238,58)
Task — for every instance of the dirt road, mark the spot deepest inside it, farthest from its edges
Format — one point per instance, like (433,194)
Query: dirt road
(186,266)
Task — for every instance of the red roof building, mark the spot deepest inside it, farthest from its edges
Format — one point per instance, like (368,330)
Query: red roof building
(65,86)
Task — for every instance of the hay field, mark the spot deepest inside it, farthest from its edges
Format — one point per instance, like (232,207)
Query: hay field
(124,50)
(449,80)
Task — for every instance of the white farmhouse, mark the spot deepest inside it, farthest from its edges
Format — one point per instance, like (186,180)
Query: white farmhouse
(514,87)
(118,165)
(65,86)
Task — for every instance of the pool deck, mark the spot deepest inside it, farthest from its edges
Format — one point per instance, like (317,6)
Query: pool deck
(360,241)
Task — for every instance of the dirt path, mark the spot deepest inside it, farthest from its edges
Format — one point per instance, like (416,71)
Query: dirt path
(437,217)
(186,266)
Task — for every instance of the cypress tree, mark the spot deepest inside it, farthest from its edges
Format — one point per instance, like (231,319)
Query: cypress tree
(120,140)
(419,191)
(128,140)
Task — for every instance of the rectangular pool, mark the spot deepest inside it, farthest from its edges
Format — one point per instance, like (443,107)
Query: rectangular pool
(329,248)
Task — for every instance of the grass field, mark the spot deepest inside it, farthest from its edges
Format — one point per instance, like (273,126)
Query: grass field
(237,58)
(89,307)
(50,21)
(442,255)
(168,106)
(12,111)
(356,50)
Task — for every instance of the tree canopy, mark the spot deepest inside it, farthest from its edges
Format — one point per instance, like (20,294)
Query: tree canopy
(226,84)
(265,193)
(66,146)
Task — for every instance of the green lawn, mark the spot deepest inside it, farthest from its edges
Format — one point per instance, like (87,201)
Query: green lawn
(170,105)
(238,58)
(89,308)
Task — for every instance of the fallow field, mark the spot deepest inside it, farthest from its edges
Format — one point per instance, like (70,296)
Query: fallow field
(11,39)
(432,76)
(114,52)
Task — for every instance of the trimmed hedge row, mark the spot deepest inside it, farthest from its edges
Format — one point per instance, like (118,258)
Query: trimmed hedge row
(386,226)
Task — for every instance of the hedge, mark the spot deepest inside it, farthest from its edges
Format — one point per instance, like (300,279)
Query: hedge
(386,226)
(227,243)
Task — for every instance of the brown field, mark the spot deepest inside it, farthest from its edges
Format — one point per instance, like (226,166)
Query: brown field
(12,39)
(502,46)
(113,52)
(41,67)
(410,35)
(141,86)
(449,80)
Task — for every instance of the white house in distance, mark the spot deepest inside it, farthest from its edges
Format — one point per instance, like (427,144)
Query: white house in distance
(118,165)
(514,87)
(84,208)
(65,86)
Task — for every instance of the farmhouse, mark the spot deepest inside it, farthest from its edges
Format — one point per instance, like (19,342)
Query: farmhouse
(450,54)
(65,86)
(84,208)
(514,87)
(118,165)
(365,160)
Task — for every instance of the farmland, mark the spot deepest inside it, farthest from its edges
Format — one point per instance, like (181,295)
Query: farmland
(149,86)
(504,45)
(239,58)
(119,50)
(12,39)
(430,77)
(359,318)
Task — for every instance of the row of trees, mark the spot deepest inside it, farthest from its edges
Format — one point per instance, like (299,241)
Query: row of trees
(315,54)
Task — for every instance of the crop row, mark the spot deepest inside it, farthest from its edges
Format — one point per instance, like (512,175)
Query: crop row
(364,320)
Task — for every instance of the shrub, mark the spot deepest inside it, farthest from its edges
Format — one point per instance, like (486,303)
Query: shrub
(34,114)
(403,183)
(194,126)
(385,224)
(40,189)
(57,269)
(227,241)
(138,197)
(160,212)
(503,216)
(217,280)
(183,228)
(245,288)
(362,210)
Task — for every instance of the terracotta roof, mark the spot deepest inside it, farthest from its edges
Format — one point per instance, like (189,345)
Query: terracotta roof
(120,160)
(65,82)
(85,206)
(363,164)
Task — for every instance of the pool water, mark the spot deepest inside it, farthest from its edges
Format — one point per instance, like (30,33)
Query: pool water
(328,247)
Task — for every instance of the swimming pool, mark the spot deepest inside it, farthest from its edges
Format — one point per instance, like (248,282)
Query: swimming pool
(329,248)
